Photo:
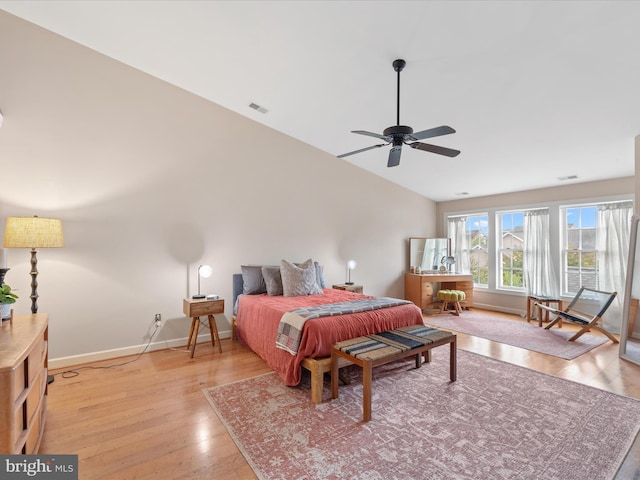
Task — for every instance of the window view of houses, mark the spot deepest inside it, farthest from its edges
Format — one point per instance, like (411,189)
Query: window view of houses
(578,250)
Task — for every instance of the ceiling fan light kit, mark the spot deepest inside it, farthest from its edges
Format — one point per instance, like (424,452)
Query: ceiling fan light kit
(399,135)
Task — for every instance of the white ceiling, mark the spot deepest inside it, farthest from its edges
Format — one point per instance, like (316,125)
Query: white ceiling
(536,90)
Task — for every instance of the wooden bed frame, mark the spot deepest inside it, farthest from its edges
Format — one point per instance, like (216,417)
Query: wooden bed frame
(317,367)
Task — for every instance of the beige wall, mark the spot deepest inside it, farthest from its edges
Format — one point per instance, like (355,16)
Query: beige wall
(574,193)
(151,181)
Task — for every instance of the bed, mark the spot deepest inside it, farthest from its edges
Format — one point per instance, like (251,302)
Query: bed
(258,314)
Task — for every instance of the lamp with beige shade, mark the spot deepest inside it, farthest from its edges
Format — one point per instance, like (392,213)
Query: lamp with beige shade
(33,232)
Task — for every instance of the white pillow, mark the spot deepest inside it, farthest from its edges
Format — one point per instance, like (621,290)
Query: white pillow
(299,279)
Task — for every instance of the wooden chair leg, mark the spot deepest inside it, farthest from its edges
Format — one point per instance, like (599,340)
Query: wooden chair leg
(540,316)
(586,328)
(558,319)
(458,308)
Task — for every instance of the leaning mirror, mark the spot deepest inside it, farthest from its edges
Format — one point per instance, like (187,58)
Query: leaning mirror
(428,254)
(630,333)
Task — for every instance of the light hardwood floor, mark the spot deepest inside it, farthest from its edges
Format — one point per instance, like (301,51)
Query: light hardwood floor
(150,419)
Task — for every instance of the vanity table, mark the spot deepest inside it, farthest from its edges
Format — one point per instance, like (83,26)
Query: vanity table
(419,288)
(429,255)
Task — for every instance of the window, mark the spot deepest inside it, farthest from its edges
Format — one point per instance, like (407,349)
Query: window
(580,257)
(510,249)
(477,231)
(469,237)
(544,248)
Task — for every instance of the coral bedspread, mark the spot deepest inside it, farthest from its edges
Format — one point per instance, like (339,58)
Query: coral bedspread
(258,318)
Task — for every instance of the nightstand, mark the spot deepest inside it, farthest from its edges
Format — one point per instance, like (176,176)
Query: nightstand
(196,308)
(348,288)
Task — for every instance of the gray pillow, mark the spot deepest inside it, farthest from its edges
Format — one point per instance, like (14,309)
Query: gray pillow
(299,280)
(252,279)
(273,280)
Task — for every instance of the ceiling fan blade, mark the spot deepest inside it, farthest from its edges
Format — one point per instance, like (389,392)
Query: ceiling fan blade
(386,138)
(449,152)
(432,132)
(394,156)
(362,150)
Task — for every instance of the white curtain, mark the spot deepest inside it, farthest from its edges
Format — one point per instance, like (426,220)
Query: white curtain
(614,230)
(459,245)
(539,272)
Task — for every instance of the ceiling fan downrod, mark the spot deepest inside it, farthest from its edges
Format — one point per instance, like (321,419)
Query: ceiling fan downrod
(398,131)
(398,66)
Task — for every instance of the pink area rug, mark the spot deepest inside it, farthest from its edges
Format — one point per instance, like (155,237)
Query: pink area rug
(519,333)
(498,421)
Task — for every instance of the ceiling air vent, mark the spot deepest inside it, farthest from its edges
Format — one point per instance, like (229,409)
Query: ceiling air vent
(568,177)
(257,107)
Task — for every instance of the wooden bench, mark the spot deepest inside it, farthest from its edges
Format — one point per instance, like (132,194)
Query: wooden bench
(386,347)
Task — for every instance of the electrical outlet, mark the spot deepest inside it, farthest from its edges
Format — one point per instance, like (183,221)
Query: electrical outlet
(158,320)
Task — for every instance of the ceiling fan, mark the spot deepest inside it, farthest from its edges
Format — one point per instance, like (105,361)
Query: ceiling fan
(399,135)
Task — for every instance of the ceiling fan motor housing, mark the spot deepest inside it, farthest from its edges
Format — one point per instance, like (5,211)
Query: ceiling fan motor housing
(398,130)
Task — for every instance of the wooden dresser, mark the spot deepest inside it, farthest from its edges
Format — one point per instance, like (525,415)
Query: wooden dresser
(419,288)
(23,382)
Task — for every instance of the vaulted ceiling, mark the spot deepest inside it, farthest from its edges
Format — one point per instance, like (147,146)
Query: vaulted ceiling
(538,92)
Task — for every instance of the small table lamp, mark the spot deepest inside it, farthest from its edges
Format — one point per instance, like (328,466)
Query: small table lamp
(33,232)
(204,271)
(351,265)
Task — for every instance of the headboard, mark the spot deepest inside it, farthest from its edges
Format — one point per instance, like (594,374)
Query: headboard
(238,286)
(238,282)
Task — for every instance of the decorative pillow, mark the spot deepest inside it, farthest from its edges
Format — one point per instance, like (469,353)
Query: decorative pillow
(299,280)
(273,280)
(252,279)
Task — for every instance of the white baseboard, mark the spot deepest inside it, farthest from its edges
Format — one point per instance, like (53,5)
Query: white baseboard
(63,362)
(494,308)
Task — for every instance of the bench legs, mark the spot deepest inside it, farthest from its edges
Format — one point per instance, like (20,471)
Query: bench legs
(367,378)
(453,360)
(367,370)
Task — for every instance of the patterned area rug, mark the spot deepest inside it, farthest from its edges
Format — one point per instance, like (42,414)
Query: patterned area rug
(519,333)
(498,421)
